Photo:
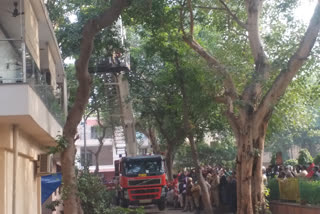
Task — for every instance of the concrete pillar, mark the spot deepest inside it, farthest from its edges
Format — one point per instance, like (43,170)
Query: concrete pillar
(2,181)
(127,116)
(15,140)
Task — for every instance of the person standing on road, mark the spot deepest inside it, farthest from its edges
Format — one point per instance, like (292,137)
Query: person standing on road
(189,200)
(196,194)
(215,182)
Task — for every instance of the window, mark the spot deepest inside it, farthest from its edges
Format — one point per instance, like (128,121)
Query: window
(88,157)
(94,132)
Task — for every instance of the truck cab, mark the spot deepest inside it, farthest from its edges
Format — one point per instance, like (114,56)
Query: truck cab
(141,180)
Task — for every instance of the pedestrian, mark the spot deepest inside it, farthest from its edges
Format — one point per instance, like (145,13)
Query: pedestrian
(196,194)
(233,193)
(215,182)
(189,200)
(223,189)
(303,173)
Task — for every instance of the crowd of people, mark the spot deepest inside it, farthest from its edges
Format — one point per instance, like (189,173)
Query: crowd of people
(310,171)
(186,193)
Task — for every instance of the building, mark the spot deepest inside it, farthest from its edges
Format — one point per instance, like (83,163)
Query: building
(33,95)
(88,144)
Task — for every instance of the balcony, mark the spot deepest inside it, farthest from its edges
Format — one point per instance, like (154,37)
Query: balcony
(32,79)
(28,98)
(21,105)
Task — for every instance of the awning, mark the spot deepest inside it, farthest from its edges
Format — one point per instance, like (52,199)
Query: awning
(49,184)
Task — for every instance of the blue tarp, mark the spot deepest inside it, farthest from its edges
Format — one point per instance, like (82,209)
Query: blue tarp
(49,184)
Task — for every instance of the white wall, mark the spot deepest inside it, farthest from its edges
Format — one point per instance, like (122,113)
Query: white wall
(92,142)
(28,188)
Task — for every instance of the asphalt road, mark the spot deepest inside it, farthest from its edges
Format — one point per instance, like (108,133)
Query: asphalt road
(152,209)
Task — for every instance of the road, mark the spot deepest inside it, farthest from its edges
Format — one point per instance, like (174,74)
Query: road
(152,209)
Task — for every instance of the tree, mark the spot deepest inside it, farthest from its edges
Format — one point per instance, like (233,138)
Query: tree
(316,160)
(295,119)
(156,90)
(222,152)
(166,90)
(90,29)
(104,103)
(304,157)
(156,104)
(233,50)
(250,123)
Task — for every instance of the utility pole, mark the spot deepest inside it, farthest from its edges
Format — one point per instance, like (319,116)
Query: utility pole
(85,142)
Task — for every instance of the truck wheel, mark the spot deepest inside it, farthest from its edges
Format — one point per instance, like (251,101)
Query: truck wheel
(162,204)
(124,203)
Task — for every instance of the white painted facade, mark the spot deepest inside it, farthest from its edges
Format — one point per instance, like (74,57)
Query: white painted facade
(94,142)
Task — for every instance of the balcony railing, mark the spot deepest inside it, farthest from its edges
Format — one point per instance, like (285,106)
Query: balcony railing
(12,72)
(51,101)
(114,64)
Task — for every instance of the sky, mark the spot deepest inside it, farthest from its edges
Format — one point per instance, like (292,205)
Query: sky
(305,11)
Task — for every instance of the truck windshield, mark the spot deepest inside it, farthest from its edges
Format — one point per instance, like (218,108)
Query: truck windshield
(143,166)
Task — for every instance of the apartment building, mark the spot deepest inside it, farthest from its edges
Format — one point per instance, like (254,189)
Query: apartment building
(88,143)
(33,101)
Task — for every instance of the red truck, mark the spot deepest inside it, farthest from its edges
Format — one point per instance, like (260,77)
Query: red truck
(141,180)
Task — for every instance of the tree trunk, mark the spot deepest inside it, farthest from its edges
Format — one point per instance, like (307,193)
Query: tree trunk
(97,154)
(244,175)
(153,140)
(72,202)
(91,28)
(169,161)
(188,126)
(250,133)
(250,189)
(204,190)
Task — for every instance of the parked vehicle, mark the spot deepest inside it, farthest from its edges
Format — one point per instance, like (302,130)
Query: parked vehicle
(141,180)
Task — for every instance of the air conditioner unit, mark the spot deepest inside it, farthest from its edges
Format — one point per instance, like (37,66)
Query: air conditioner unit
(45,164)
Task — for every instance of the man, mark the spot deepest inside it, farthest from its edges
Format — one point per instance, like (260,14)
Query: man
(288,171)
(189,200)
(316,175)
(175,190)
(196,194)
(182,188)
(215,182)
(303,173)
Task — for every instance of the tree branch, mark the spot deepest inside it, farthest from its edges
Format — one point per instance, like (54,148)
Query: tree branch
(90,29)
(181,20)
(235,18)
(234,123)
(221,99)
(295,63)
(191,17)
(216,66)
(262,68)
(88,115)
(209,8)
(253,10)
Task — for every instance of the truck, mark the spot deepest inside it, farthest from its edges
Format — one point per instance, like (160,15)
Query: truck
(141,180)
